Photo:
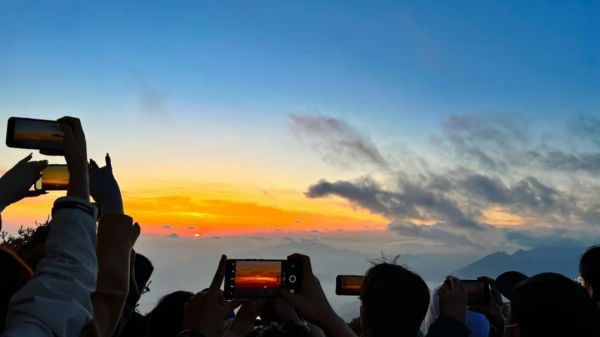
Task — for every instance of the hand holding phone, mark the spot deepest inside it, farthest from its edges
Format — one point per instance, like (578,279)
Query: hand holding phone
(205,312)
(478,292)
(260,279)
(453,299)
(16,182)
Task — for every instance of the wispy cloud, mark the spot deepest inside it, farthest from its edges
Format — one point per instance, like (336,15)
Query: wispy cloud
(338,142)
(152,100)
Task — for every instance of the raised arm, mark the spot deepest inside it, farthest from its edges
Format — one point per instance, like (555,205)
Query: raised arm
(312,304)
(56,302)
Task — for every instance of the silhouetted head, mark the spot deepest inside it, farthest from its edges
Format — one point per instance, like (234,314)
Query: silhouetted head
(589,269)
(166,319)
(34,249)
(549,305)
(143,269)
(394,301)
(15,274)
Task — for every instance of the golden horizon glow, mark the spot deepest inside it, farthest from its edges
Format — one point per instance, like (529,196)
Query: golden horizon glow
(215,209)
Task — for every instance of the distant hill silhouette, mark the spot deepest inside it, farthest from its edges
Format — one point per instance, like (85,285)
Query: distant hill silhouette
(563,260)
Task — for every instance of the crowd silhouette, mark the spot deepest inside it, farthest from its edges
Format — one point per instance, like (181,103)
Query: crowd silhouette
(80,276)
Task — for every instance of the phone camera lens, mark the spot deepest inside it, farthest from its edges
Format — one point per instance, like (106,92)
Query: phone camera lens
(292,279)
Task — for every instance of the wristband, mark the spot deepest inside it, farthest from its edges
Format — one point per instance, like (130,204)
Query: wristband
(89,209)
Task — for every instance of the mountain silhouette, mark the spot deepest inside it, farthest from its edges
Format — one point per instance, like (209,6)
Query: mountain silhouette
(563,260)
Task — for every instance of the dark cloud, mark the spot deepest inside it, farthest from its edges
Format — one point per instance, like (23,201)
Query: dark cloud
(410,201)
(165,226)
(173,235)
(337,141)
(528,194)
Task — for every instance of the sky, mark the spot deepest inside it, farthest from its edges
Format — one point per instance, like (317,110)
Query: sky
(397,127)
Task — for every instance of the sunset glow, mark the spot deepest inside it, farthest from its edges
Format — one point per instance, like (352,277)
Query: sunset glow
(256,278)
(208,209)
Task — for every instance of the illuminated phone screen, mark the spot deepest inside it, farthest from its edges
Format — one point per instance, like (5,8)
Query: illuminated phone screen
(352,283)
(54,177)
(349,284)
(37,134)
(257,279)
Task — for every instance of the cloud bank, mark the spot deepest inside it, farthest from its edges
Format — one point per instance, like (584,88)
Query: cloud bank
(494,172)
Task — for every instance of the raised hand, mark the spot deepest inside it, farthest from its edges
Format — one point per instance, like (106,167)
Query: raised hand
(75,151)
(205,312)
(15,183)
(453,299)
(492,309)
(104,187)
(311,303)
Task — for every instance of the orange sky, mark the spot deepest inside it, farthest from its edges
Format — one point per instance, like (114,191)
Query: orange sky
(187,209)
(199,209)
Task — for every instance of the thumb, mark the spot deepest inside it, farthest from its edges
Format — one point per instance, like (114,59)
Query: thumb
(135,233)
(35,193)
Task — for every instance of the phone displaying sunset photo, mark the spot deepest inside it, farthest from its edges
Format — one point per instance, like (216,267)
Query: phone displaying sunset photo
(352,283)
(40,132)
(257,278)
(55,177)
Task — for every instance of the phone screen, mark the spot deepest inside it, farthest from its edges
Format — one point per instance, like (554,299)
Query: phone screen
(54,178)
(478,292)
(257,278)
(349,284)
(34,134)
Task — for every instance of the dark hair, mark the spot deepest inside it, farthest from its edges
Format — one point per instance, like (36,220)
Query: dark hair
(15,274)
(166,319)
(550,304)
(142,269)
(394,301)
(589,269)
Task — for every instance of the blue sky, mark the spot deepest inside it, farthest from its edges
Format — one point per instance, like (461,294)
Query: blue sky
(417,61)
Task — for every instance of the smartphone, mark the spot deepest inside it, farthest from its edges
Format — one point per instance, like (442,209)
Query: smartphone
(54,178)
(479,292)
(261,279)
(38,134)
(348,285)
